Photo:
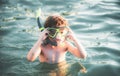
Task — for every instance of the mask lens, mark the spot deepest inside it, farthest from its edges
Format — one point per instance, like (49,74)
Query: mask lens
(59,30)
(52,32)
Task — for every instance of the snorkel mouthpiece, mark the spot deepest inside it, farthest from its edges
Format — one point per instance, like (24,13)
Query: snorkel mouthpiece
(48,41)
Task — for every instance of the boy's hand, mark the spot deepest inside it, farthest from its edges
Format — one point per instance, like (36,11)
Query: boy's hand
(71,35)
(43,34)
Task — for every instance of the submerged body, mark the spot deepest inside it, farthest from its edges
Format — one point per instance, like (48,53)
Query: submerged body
(53,60)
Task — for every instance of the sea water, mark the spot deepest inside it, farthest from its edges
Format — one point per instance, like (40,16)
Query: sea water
(96,24)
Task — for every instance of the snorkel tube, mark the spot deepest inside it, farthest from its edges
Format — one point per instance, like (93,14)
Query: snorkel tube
(41,28)
(39,22)
(39,19)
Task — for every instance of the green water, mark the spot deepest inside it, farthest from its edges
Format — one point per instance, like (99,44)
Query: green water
(96,24)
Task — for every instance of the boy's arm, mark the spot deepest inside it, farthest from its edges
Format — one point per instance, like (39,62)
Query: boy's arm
(77,50)
(36,49)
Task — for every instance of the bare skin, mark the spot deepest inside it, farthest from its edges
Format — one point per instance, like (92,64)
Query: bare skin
(55,54)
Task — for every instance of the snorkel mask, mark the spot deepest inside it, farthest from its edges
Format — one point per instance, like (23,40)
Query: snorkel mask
(53,32)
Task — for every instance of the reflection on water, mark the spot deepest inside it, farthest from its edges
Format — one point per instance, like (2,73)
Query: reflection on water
(96,24)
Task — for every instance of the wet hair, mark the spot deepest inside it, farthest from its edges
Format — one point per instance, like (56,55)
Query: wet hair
(55,21)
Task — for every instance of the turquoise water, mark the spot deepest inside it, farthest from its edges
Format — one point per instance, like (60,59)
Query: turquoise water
(96,24)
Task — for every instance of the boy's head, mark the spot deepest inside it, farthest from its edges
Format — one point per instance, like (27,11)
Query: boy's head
(55,21)
(57,27)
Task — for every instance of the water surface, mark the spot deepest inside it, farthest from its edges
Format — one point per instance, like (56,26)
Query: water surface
(96,24)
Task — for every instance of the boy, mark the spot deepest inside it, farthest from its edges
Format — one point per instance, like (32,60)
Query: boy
(52,44)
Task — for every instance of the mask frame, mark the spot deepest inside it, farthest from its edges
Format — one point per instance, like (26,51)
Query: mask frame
(53,31)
